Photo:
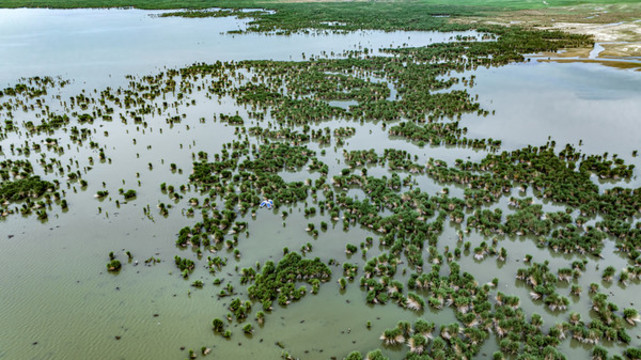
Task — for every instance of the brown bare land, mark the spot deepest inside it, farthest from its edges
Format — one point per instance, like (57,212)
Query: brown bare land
(617,26)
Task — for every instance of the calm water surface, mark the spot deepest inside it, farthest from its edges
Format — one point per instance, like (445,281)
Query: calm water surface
(58,302)
(92,45)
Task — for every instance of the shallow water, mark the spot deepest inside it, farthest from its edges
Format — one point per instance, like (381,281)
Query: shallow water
(570,102)
(64,43)
(58,292)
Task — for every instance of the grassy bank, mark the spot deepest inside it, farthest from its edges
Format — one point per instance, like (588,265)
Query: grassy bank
(470,5)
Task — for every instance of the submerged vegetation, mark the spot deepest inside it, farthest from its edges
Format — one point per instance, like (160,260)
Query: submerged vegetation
(287,126)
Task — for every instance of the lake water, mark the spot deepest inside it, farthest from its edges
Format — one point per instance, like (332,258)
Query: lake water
(58,302)
(92,45)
